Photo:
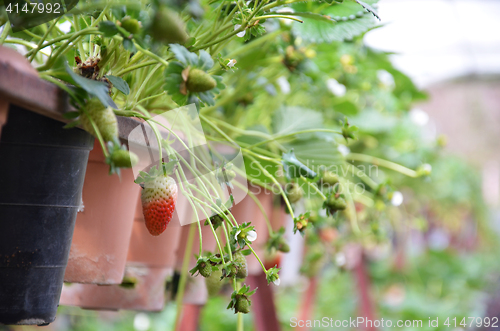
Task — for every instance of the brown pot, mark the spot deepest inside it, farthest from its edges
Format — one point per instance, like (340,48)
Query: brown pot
(4,111)
(10,57)
(248,211)
(103,229)
(150,262)
(146,250)
(146,294)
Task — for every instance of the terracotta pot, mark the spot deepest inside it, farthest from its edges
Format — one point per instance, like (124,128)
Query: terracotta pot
(248,211)
(4,111)
(155,252)
(103,229)
(9,56)
(146,294)
(150,262)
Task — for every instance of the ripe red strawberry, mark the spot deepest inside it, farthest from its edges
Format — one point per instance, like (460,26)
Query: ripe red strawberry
(158,203)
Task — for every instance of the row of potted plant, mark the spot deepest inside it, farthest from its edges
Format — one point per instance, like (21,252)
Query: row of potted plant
(138,60)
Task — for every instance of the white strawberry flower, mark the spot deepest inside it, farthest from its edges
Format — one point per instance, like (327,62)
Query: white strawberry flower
(397,198)
(231,63)
(239,34)
(251,235)
(335,87)
(277,282)
(343,149)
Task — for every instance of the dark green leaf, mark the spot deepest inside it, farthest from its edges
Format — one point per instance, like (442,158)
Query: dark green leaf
(71,115)
(119,83)
(108,28)
(71,125)
(129,45)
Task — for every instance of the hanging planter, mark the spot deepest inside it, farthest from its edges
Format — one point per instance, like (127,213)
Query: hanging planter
(4,110)
(143,289)
(149,251)
(103,228)
(41,179)
(41,176)
(149,264)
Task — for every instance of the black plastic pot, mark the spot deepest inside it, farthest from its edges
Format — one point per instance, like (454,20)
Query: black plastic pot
(42,168)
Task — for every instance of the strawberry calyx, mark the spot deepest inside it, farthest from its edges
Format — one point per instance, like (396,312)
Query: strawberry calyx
(166,170)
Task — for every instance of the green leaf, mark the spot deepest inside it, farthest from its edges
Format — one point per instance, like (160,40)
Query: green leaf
(316,152)
(346,107)
(71,125)
(169,167)
(119,83)
(314,16)
(351,19)
(108,28)
(129,45)
(93,87)
(287,120)
(71,115)
(321,32)
(205,60)
(183,55)
(294,168)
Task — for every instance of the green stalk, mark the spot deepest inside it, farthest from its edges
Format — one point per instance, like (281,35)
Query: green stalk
(352,209)
(137,66)
(273,138)
(97,132)
(267,174)
(381,162)
(263,17)
(40,42)
(151,54)
(5,33)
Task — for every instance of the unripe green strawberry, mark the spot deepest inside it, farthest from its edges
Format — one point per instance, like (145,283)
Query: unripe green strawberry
(199,81)
(158,203)
(242,305)
(168,27)
(124,159)
(334,203)
(131,25)
(294,193)
(104,119)
(329,178)
(205,269)
(242,272)
(214,283)
(283,245)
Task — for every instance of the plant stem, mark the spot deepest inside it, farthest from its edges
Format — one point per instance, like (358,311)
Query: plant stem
(184,272)
(5,33)
(267,174)
(278,16)
(40,42)
(293,134)
(381,162)
(137,66)
(151,54)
